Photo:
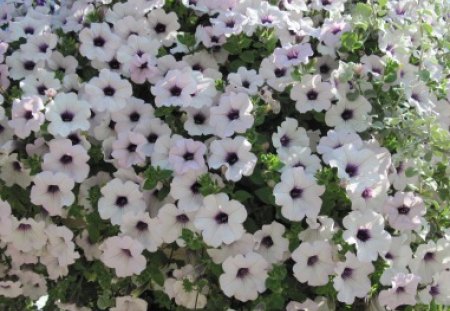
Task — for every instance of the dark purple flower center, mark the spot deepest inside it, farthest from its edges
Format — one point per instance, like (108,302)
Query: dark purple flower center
(242,273)
(188,156)
(175,90)
(221,218)
(66,159)
(28,30)
(141,225)
(112,124)
(231,158)
(99,41)
(152,137)
(230,23)
(324,69)
(114,64)
(400,290)
(429,256)
(347,114)
(267,241)
(312,95)
(127,252)
(233,114)
(285,140)
(363,235)
(182,218)
(28,115)
(434,290)
(43,47)
(41,89)
(16,166)
(52,188)
(109,91)
(312,260)
(351,170)
(131,147)
(199,118)
(367,193)
(246,84)
(74,138)
(29,65)
(67,116)
(160,28)
(197,67)
(195,188)
(24,227)
(347,273)
(267,19)
(296,193)
(403,210)
(121,201)
(280,72)
(134,116)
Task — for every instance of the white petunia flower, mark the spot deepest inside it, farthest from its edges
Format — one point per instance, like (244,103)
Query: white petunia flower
(187,155)
(352,279)
(26,116)
(27,235)
(288,135)
(244,276)
(270,243)
(365,229)
(67,114)
(98,42)
(313,262)
(173,220)
(349,115)
(235,155)
(402,293)
(108,91)
(405,211)
(68,159)
(129,303)
(312,94)
(220,219)
(119,198)
(232,115)
(53,191)
(298,194)
(124,255)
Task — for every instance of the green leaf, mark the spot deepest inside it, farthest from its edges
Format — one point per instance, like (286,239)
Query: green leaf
(154,175)
(411,171)
(352,96)
(351,42)
(424,75)
(104,300)
(242,196)
(193,239)
(265,195)
(363,10)
(188,39)
(382,3)
(208,185)
(247,56)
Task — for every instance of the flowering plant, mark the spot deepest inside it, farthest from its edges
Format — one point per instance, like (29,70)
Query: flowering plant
(224,155)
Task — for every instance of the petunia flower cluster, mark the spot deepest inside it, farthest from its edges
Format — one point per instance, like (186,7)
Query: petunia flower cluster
(224,155)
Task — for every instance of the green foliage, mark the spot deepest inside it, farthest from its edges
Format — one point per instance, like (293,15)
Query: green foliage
(153,176)
(208,185)
(193,240)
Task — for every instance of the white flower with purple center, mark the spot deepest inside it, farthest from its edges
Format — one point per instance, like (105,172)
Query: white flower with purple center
(220,219)
(365,229)
(298,194)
